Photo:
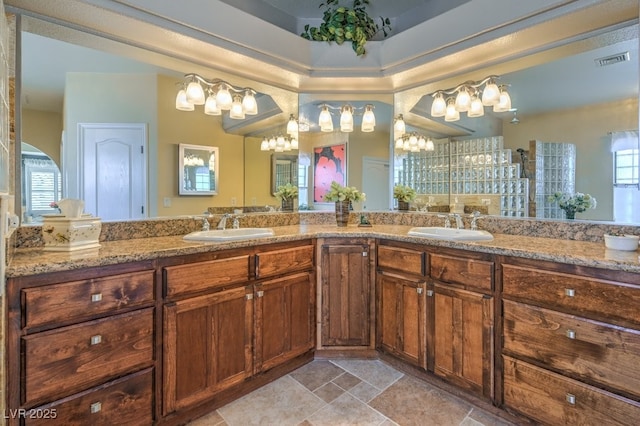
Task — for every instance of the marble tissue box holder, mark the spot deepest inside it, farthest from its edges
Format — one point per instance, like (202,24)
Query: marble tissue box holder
(71,230)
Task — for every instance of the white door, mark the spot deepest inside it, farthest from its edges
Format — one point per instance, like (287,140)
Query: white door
(113,172)
(375,183)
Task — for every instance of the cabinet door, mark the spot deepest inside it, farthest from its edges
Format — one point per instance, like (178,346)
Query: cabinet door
(402,318)
(345,295)
(207,346)
(463,339)
(284,319)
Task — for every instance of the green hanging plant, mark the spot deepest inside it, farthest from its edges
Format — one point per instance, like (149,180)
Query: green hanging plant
(342,24)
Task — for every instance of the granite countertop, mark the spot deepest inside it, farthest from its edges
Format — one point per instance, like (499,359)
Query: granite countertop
(30,261)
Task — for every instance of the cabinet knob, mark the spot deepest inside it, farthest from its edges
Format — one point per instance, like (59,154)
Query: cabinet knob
(249,296)
(96,407)
(260,293)
(419,290)
(96,339)
(430,293)
(571,399)
(571,334)
(569,292)
(96,297)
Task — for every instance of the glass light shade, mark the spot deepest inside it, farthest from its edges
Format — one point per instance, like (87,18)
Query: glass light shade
(476,109)
(368,119)
(195,94)
(272,142)
(211,106)
(346,119)
(414,148)
(279,148)
(399,128)
(504,104)
(463,100)
(399,143)
(292,126)
(249,103)
(280,141)
(421,142)
(439,106)
(294,143)
(264,145)
(287,145)
(490,94)
(181,102)
(324,121)
(452,113)
(413,140)
(223,97)
(236,110)
(429,146)
(406,146)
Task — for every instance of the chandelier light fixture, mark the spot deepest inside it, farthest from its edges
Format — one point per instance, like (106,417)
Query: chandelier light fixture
(347,111)
(471,97)
(216,96)
(279,143)
(414,142)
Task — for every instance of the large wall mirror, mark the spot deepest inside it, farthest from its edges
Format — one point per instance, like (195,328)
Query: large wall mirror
(569,104)
(111,82)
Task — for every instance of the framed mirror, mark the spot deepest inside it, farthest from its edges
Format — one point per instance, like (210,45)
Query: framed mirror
(284,170)
(197,170)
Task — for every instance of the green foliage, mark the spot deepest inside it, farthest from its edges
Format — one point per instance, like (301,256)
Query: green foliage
(404,193)
(286,192)
(574,203)
(342,24)
(338,192)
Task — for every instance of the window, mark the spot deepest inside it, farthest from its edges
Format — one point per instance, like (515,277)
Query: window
(303,183)
(625,167)
(42,184)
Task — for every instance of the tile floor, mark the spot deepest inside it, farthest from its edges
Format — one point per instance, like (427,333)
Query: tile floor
(348,392)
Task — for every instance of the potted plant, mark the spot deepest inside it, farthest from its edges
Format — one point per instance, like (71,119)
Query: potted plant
(404,194)
(343,196)
(342,24)
(286,194)
(573,203)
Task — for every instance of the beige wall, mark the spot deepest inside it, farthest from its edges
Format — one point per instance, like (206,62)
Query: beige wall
(257,174)
(196,128)
(43,130)
(588,128)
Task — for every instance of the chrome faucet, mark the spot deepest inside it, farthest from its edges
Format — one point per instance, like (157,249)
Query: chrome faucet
(447,221)
(205,224)
(223,221)
(236,222)
(458,218)
(474,219)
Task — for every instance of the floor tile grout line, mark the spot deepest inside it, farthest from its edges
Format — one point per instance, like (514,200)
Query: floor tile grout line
(371,384)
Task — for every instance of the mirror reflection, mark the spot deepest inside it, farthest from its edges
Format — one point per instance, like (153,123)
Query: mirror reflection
(568,107)
(198,170)
(284,170)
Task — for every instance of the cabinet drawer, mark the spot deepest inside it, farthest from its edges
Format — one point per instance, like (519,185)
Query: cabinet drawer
(194,277)
(69,359)
(553,399)
(124,401)
(459,270)
(587,350)
(55,303)
(401,259)
(607,300)
(277,262)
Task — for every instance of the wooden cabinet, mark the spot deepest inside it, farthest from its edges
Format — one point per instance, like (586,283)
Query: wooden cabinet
(81,345)
(207,346)
(571,343)
(463,321)
(284,319)
(346,293)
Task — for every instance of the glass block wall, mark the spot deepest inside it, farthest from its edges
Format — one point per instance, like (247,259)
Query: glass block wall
(555,172)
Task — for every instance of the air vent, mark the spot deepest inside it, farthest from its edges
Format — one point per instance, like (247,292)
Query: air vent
(613,59)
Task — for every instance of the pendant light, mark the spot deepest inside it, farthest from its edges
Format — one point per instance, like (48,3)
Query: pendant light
(249,104)
(346,119)
(324,120)
(223,97)
(181,101)
(236,111)
(368,119)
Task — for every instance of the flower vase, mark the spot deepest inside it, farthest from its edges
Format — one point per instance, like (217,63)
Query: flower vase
(287,205)
(342,212)
(570,214)
(403,205)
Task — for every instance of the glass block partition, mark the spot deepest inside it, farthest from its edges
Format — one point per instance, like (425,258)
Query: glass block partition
(473,167)
(555,172)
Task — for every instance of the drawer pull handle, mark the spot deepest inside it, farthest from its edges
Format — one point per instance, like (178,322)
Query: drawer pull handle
(249,296)
(430,293)
(97,297)
(571,334)
(419,290)
(96,339)
(571,399)
(569,292)
(260,293)
(96,407)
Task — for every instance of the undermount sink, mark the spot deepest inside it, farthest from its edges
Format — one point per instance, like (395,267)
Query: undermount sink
(220,235)
(452,234)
